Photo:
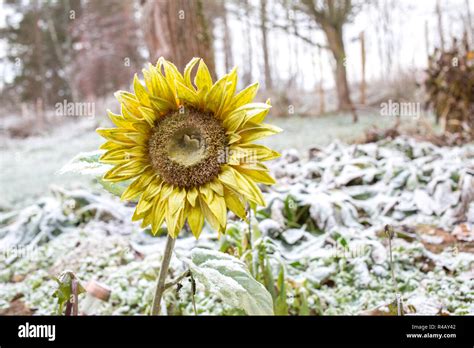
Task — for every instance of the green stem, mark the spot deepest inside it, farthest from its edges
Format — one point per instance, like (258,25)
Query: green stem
(395,287)
(177,280)
(160,286)
(250,227)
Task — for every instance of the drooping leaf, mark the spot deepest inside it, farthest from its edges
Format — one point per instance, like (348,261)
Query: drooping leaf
(87,163)
(228,278)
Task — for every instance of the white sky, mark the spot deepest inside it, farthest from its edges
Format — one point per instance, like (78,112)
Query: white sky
(407,33)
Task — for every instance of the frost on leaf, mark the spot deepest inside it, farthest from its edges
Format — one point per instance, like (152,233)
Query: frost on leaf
(87,163)
(229,279)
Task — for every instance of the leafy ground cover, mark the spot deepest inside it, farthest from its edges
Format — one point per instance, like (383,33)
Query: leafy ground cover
(318,248)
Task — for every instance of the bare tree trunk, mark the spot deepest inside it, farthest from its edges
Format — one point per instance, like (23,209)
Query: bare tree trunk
(362,80)
(331,16)
(229,61)
(41,96)
(427,41)
(178,30)
(336,45)
(470,28)
(60,54)
(248,54)
(266,59)
(322,97)
(440,24)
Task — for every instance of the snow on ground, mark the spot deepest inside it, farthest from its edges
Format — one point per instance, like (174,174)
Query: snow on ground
(323,226)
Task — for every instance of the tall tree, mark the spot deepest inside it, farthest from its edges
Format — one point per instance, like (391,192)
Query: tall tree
(108,47)
(229,61)
(179,31)
(439,15)
(265,46)
(247,51)
(331,16)
(32,47)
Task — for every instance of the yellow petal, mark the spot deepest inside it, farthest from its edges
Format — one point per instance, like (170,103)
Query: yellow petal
(257,175)
(234,203)
(244,97)
(110,145)
(140,92)
(187,94)
(114,156)
(172,73)
(210,217)
(195,219)
(128,100)
(187,72)
(217,187)
(137,187)
(138,138)
(233,121)
(149,80)
(176,199)
(164,89)
(256,132)
(202,93)
(119,120)
(256,152)
(206,192)
(215,95)
(232,138)
(248,112)
(227,177)
(203,79)
(249,189)
(143,205)
(258,115)
(117,135)
(174,221)
(180,222)
(253,166)
(160,105)
(159,212)
(129,115)
(192,195)
(166,191)
(245,113)
(218,208)
(153,189)
(136,216)
(228,93)
(142,127)
(148,114)
(118,156)
(126,171)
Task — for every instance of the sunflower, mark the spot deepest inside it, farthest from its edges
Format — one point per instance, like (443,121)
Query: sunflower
(188,147)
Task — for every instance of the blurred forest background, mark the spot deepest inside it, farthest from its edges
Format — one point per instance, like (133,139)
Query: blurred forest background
(312,57)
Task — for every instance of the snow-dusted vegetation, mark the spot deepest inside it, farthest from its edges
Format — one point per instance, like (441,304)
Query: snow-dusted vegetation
(257,157)
(319,247)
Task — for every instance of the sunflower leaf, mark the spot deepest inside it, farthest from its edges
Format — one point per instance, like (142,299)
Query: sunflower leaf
(87,163)
(229,279)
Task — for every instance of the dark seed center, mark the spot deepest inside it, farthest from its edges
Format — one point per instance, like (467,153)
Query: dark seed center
(186,147)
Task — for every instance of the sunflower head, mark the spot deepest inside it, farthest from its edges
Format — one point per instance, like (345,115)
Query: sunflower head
(188,146)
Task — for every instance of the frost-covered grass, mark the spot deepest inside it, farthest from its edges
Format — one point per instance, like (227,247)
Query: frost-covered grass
(302,133)
(320,243)
(29,166)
